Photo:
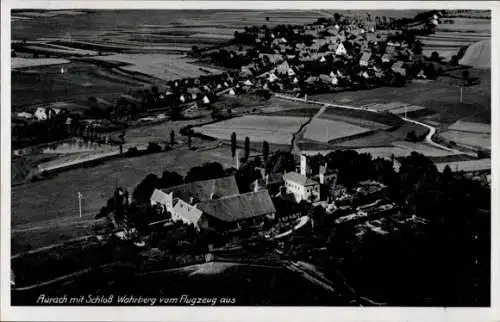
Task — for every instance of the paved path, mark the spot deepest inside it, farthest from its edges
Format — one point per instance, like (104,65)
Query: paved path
(303,220)
(428,138)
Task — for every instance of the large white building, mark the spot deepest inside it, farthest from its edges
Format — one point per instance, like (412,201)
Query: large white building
(301,187)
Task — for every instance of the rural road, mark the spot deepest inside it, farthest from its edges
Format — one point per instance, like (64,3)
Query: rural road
(303,220)
(428,138)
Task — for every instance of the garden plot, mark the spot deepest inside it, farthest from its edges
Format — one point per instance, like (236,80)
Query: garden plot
(326,130)
(257,128)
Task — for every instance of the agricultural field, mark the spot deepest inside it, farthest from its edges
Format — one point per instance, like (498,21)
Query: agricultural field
(450,38)
(18,62)
(441,96)
(471,126)
(394,107)
(322,130)
(81,80)
(399,149)
(384,138)
(469,133)
(161,66)
(258,128)
(277,105)
(38,222)
(468,139)
(478,55)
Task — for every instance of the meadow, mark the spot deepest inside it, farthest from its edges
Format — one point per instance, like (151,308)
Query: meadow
(43,212)
(161,66)
(19,62)
(80,81)
(258,128)
(441,96)
(326,130)
(471,140)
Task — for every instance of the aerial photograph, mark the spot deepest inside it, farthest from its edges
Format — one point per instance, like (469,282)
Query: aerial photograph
(250,157)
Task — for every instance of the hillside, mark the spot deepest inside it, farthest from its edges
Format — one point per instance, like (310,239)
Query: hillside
(478,55)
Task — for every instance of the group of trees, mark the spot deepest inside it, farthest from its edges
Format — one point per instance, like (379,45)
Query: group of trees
(445,262)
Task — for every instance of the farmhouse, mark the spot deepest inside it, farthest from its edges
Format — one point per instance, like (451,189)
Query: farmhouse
(283,68)
(44,113)
(365,58)
(200,191)
(25,115)
(397,67)
(186,213)
(341,50)
(272,182)
(235,212)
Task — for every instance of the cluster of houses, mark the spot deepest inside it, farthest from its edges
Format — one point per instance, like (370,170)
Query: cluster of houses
(333,54)
(42,113)
(218,205)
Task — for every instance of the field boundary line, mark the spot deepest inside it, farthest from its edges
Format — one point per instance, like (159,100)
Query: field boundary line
(45,248)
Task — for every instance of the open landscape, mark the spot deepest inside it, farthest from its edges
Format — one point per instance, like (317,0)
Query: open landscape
(361,155)
(257,128)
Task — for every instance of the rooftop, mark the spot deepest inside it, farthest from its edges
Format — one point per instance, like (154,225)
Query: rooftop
(299,179)
(202,190)
(239,207)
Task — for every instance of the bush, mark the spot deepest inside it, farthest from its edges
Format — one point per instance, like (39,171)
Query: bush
(153,148)
(132,152)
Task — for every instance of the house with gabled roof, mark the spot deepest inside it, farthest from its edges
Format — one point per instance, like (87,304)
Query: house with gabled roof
(365,58)
(341,50)
(397,67)
(199,191)
(235,212)
(301,187)
(185,212)
(283,68)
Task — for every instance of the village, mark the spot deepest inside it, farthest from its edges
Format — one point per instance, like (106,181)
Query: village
(327,56)
(268,201)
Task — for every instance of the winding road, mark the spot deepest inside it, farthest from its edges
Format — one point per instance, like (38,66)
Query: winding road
(428,137)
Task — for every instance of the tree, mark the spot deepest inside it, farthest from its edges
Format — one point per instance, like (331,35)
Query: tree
(265,150)
(172,137)
(190,132)
(465,76)
(153,147)
(417,47)
(280,162)
(435,56)
(169,179)
(143,191)
(411,136)
(247,148)
(154,91)
(233,144)
(210,170)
